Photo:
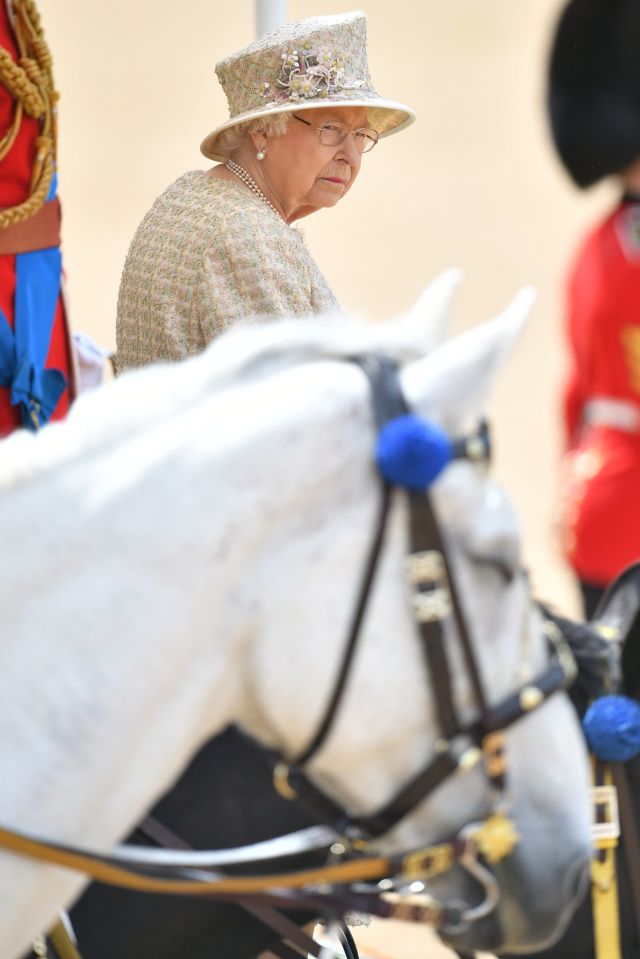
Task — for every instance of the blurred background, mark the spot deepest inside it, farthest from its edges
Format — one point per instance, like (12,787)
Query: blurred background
(473,183)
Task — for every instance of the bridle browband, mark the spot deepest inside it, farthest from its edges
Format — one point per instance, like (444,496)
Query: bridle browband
(354,878)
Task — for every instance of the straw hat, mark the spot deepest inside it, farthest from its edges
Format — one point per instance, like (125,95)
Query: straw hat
(302,66)
(594,88)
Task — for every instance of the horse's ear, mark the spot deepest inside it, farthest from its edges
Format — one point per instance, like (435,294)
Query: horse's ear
(618,615)
(428,322)
(452,383)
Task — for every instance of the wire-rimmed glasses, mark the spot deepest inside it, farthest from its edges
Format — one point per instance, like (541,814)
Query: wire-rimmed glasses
(332,134)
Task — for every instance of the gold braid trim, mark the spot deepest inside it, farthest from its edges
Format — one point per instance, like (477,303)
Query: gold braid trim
(30,82)
(9,139)
(21,88)
(27,9)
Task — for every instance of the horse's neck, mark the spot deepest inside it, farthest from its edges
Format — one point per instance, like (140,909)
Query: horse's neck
(129,601)
(140,668)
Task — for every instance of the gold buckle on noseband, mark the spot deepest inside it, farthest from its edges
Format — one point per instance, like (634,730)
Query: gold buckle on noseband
(430,862)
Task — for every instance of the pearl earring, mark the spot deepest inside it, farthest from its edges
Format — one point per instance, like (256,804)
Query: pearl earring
(260,155)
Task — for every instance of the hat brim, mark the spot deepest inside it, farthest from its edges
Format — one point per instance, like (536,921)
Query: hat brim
(385,116)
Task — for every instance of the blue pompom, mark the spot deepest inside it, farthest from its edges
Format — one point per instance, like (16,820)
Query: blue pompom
(612,727)
(411,452)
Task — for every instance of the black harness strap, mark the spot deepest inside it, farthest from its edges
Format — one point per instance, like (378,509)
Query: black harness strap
(354,631)
(425,537)
(300,944)
(388,402)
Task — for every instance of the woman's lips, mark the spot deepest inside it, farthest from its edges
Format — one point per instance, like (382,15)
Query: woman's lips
(333,179)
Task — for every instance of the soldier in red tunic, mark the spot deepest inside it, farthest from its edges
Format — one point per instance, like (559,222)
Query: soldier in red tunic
(594,105)
(36,382)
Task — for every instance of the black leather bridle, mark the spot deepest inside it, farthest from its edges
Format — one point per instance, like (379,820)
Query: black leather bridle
(434,598)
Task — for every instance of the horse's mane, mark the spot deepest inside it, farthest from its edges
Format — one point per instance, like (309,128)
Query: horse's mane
(247,354)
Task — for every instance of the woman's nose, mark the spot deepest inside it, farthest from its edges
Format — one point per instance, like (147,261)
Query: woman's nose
(349,151)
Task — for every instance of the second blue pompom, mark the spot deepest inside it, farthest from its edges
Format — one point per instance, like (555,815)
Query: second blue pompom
(612,727)
(411,452)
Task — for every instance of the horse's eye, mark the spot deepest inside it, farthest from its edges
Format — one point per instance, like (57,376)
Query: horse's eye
(499,564)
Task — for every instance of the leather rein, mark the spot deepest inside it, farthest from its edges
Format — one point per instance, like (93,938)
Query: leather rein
(350,876)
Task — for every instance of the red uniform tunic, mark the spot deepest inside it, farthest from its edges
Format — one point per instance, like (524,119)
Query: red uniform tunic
(15,176)
(601,473)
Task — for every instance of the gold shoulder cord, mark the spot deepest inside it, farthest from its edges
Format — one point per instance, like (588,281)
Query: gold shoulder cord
(30,83)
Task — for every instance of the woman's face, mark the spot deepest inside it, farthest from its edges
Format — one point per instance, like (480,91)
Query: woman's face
(304,173)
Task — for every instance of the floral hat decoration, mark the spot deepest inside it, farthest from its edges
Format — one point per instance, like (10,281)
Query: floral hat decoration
(305,65)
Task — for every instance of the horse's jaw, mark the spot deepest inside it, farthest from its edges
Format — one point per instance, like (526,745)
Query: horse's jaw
(546,877)
(523,923)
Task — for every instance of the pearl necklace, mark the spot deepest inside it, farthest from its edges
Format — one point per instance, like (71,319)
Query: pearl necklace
(242,174)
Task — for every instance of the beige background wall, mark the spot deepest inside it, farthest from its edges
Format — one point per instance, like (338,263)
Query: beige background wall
(473,183)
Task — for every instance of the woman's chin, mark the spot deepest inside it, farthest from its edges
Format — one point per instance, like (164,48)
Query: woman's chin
(328,193)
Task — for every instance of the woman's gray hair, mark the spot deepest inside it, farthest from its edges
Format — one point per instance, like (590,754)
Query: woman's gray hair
(230,140)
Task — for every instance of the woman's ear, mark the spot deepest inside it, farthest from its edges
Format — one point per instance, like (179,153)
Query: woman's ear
(259,141)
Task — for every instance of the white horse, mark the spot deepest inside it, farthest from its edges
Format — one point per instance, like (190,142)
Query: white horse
(184,552)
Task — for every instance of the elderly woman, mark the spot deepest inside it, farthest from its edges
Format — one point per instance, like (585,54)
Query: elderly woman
(217,246)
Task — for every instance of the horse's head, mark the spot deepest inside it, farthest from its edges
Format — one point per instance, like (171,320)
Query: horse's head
(389,724)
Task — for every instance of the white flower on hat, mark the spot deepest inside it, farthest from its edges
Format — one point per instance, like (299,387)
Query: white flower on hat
(302,86)
(310,73)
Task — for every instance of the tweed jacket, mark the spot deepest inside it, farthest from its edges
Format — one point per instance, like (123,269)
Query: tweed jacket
(208,254)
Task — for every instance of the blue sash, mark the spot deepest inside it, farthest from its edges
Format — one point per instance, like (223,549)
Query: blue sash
(23,350)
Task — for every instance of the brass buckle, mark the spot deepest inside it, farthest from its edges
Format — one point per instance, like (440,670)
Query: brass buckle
(605,834)
(494,753)
(429,862)
(414,907)
(425,566)
(281,781)
(427,569)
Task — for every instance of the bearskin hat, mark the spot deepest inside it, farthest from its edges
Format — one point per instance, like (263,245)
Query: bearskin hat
(594,88)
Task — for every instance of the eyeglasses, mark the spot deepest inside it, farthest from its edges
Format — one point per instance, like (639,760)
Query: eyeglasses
(333,134)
